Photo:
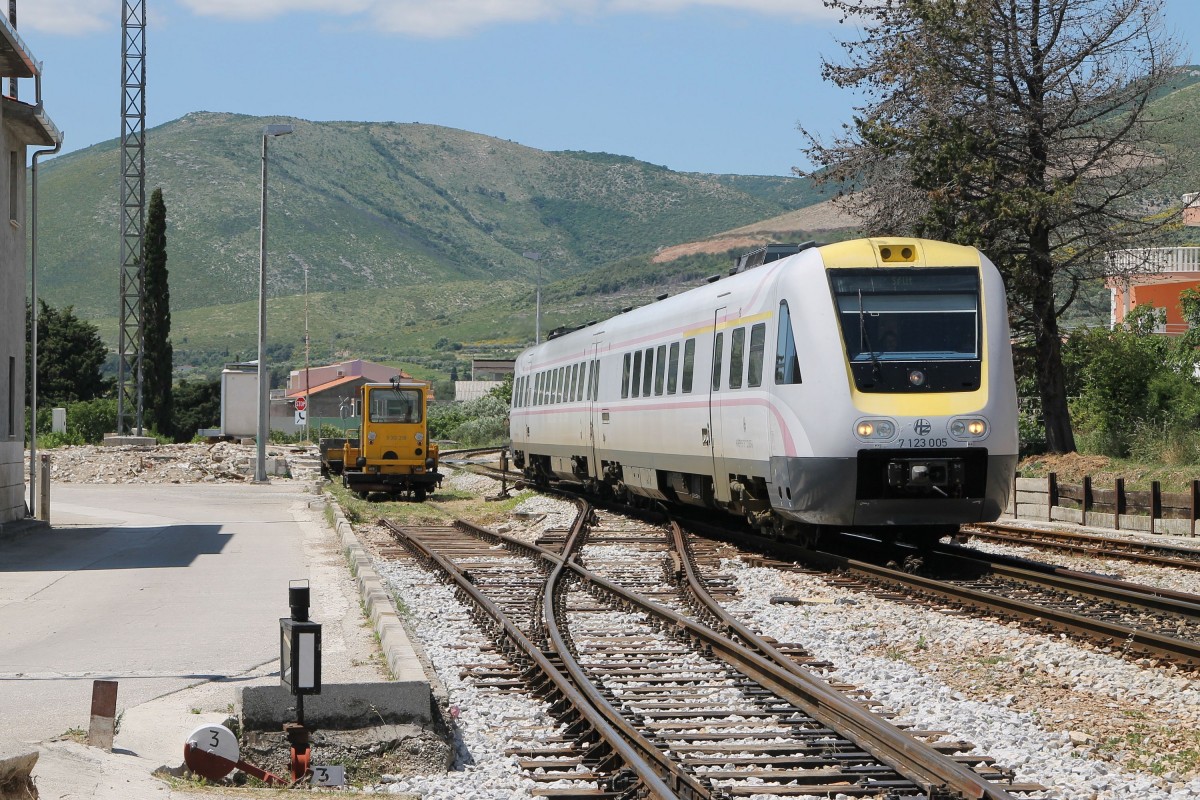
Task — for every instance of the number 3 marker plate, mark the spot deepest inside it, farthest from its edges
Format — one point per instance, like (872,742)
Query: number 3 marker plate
(211,751)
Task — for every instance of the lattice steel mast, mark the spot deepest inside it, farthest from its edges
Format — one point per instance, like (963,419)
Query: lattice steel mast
(131,336)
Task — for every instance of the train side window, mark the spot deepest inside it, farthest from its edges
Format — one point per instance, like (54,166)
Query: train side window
(689,363)
(737,346)
(537,389)
(552,388)
(582,380)
(574,382)
(758,345)
(560,384)
(660,368)
(649,373)
(672,368)
(787,362)
(637,372)
(516,395)
(718,346)
(528,389)
(596,379)
(625,376)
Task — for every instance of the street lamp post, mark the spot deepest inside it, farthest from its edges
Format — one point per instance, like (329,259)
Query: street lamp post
(264,389)
(537,314)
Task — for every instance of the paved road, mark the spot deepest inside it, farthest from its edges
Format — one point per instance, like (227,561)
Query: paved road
(157,586)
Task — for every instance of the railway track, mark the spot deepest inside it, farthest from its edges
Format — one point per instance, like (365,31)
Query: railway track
(1137,621)
(660,691)
(1156,554)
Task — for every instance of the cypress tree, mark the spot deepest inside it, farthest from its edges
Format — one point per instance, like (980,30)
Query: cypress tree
(158,357)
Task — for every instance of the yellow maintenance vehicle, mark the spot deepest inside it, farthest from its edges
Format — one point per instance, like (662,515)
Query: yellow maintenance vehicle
(391,453)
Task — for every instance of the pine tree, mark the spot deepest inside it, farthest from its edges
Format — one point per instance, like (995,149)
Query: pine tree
(158,357)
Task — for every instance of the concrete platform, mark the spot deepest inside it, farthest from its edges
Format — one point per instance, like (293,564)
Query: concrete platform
(175,592)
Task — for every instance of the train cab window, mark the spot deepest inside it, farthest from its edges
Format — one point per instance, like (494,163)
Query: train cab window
(787,362)
(718,348)
(689,363)
(637,373)
(758,344)
(660,368)
(395,405)
(673,368)
(737,346)
(625,376)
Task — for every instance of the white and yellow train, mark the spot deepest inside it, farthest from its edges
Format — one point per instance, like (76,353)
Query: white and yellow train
(865,385)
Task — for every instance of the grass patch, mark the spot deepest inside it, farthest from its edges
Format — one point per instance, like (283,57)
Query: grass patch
(1072,467)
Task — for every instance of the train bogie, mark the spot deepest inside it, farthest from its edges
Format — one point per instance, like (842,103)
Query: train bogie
(866,385)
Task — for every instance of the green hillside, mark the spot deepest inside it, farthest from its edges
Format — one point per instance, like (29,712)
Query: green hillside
(385,209)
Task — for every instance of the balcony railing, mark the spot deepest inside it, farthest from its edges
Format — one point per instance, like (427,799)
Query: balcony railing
(1154,260)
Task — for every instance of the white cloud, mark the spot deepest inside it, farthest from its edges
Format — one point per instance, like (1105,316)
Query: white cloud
(444,18)
(70,17)
(426,18)
(266,9)
(447,18)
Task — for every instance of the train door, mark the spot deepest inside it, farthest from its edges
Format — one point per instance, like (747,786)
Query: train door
(592,398)
(716,394)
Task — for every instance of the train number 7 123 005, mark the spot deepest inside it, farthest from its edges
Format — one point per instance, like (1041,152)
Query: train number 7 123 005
(924,443)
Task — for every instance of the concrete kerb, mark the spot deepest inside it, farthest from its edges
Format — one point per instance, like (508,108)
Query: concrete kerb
(414,695)
(404,659)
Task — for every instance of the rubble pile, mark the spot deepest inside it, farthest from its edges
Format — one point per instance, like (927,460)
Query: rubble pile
(222,462)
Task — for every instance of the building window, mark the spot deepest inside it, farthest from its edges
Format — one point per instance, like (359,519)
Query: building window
(14,186)
(12,397)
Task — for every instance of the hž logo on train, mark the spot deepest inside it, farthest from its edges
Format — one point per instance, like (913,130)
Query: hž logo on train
(921,438)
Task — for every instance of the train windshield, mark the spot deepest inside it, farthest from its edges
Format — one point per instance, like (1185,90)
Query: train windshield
(908,314)
(395,405)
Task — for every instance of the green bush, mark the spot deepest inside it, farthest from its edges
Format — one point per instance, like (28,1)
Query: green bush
(1134,391)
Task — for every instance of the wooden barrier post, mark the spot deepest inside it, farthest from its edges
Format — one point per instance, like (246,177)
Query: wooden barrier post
(103,726)
(1155,503)
(1087,499)
(1119,503)
(1051,495)
(1195,506)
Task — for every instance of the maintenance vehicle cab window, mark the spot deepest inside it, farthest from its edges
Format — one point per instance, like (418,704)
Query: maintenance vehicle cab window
(396,405)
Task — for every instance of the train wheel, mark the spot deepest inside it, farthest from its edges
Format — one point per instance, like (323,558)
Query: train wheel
(362,495)
(419,494)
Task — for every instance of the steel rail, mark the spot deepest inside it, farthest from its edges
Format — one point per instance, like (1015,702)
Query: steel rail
(579,694)
(1104,633)
(683,784)
(1184,604)
(907,755)
(1089,544)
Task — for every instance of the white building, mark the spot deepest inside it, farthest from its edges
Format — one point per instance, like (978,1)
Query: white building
(21,126)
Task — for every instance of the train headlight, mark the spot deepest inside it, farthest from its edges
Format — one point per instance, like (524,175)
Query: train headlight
(875,429)
(966,428)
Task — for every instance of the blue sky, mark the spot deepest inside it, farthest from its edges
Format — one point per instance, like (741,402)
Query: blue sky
(694,85)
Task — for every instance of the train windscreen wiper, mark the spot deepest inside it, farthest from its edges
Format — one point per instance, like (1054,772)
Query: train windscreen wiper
(865,339)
